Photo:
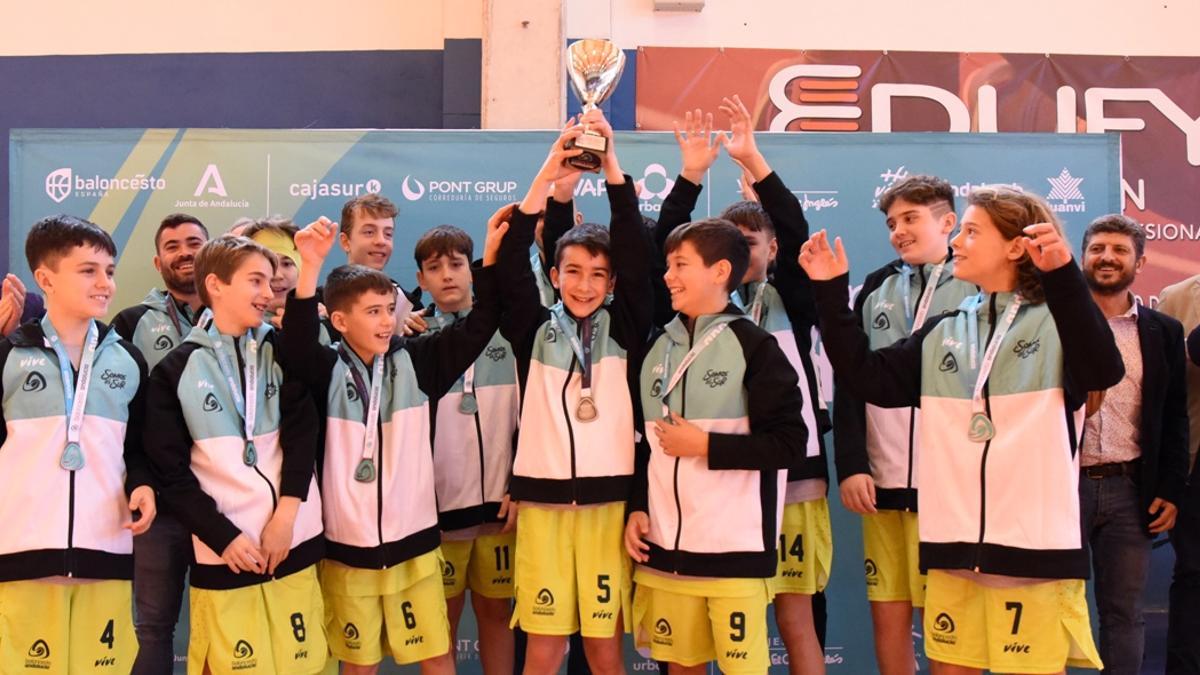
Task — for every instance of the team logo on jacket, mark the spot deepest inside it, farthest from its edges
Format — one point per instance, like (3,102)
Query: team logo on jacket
(1025,349)
(551,335)
(351,392)
(949,364)
(543,603)
(162,343)
(113,380)
(715,378)
(496,353)
(34,382)
(881,322)
(211,404)
(943,629)
(656,388)
(272,389)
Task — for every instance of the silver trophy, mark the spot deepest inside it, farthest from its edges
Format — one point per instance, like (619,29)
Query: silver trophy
(594,67)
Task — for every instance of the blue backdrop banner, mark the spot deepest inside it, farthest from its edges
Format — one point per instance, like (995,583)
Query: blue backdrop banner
(128,180)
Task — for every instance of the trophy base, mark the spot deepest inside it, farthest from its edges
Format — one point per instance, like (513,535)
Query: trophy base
(594,146)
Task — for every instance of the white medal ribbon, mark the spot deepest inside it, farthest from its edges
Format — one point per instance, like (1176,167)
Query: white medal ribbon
(245,402)
(926,300)
(74,393)
(756,305)
(585,410)
(704,343)
(365,471)
(981,428)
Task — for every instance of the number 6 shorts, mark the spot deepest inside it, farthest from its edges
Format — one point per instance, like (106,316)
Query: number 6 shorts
(572,572)
(59,628)
(272,627)
(400,611)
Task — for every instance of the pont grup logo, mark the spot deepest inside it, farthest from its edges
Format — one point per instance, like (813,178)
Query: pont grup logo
(457,189)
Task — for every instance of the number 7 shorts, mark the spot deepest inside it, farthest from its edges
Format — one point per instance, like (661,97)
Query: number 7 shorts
(572,572)
(59,628)
(272,627)
(1031,628)
(400,611)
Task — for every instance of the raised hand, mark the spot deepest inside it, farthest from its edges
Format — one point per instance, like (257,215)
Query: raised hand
(698,146)
(554,168)
(741,145)
(594,120)
(819,261)
(497,227)
(1046,246)
(314,241)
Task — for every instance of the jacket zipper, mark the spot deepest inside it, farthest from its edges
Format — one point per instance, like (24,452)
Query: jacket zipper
(678,501)
(70,553)
(482,460)
(987,406)
(570,430)
(912,413)
(242,378)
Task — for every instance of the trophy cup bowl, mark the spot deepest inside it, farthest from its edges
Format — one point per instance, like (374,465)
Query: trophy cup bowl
(593,67)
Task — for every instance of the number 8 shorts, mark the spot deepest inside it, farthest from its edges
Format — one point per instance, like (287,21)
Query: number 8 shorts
(273,627)
(572,572)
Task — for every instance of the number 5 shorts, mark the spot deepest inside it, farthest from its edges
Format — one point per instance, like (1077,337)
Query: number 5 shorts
(272,627)
(572,572)
(400,611)
(70,627)
(691,621)
(1029,628)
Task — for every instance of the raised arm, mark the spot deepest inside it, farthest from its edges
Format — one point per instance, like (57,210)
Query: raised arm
(888,377)
(440,358)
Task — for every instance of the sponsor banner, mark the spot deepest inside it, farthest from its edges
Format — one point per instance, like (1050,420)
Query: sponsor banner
(132,179)
(1153,101)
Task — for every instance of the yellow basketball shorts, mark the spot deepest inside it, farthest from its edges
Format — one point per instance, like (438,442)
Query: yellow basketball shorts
(400,611)
(693,621)
(482,564)
(60,628)
(891,546)
(273,627)
(1035,628)
(805,548)
(572,572)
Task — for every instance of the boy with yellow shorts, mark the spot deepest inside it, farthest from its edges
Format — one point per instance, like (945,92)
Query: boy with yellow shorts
(575,455)
(383,577)
(73,399)
(233,442)
(474,427)
(722,407)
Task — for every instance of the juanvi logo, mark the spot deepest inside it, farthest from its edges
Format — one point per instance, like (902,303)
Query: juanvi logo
(58,184)
(1065,195)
